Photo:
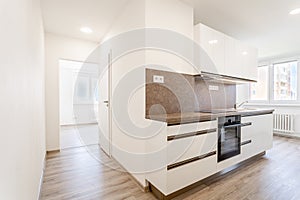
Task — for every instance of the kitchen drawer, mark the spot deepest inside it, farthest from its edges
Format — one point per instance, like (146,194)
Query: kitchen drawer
(192,127)
(190,173)
(229,162)
(260,132)
(249,149)
(185,148)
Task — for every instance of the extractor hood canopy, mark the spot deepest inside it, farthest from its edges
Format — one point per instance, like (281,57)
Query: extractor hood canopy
(217,78)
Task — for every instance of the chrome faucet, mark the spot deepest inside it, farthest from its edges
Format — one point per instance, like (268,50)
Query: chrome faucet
(236,106)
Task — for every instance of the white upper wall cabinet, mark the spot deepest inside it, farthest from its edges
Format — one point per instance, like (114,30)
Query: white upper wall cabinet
(230,56)
(240,59)
(213,43)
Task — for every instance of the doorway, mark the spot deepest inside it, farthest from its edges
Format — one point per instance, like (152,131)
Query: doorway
(78,104)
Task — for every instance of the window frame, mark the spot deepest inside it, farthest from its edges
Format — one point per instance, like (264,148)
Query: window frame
(270,100)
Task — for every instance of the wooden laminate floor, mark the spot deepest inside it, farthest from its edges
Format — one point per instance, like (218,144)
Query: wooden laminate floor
(75,174)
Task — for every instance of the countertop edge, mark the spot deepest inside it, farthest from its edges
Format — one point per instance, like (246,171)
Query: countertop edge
(200,117)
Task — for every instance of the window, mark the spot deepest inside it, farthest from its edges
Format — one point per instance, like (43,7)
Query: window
(285,81)
(259,91)
(281,78)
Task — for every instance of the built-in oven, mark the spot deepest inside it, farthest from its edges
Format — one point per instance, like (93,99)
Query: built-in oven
(229,136)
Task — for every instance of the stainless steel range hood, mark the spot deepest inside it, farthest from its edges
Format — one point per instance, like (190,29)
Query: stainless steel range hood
(217,78)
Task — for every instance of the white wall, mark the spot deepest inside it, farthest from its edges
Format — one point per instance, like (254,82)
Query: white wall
(124,147)
(22,102)
(174,16)
(59,47)
(171,15)
(168,14)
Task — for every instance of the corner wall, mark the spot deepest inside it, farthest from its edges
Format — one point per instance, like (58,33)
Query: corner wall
(59,47)
(129,147)
(22,101)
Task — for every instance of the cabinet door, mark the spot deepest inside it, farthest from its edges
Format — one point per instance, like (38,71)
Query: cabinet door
(232,60)
(248,62)
(240,60)
(225,55)
(259,133)
(190,173)
(213,43)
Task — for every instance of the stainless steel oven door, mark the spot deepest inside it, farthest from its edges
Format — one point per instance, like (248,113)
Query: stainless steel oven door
(229,140)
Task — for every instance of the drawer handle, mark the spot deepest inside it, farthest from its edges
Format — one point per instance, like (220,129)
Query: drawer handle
(246,142)
(185,135)
(239,125)
(246,124)
(184,162)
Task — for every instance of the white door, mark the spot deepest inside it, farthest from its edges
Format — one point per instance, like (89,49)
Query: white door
(104,109)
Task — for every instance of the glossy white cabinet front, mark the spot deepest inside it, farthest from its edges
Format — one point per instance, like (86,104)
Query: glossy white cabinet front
(213,43)
(240,59)
(230,57)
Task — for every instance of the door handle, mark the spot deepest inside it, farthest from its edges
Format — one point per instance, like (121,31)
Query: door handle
(106,102)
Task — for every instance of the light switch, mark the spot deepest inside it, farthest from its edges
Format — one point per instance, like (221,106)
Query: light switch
(158,79)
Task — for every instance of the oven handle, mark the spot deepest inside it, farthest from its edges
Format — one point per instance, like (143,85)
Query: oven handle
(239,125)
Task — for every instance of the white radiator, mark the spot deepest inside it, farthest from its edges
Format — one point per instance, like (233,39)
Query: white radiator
(283,123)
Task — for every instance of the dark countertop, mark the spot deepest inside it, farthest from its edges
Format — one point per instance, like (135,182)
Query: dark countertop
(192,117)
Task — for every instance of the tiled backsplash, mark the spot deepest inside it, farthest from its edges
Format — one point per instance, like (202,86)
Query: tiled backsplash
(175,95)
(214,95)
(184,93)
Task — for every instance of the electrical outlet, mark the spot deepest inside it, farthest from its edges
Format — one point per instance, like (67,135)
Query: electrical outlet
(213,88)
(158,79)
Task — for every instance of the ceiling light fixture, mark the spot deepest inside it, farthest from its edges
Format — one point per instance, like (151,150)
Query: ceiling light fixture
(245,53)
(295,12)
(213,42)
(86,30)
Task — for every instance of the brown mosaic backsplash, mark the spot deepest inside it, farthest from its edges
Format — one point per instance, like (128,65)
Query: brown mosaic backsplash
(183,93)
(207,99)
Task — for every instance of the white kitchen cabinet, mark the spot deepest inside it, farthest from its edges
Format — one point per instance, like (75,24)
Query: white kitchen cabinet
(232,61)
(190,147)
(259,135)
(230,57)
(189,154)
(191,127)
(190,173)
(213,43)
(240,59)
(248,62)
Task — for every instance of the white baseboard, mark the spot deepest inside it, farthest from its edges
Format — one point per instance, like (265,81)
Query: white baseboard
(288,135)
(42,177)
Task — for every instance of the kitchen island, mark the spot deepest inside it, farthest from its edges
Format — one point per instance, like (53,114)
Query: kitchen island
(188,147)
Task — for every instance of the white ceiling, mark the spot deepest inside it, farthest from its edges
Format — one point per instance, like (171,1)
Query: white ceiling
(264,24)
(66,17)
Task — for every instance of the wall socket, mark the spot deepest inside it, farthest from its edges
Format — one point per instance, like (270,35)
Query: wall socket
(213,88)
(158,79)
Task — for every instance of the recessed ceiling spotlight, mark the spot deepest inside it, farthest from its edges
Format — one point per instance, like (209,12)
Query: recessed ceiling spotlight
(213,41)
(295,12)
(245,53)
(86,30)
